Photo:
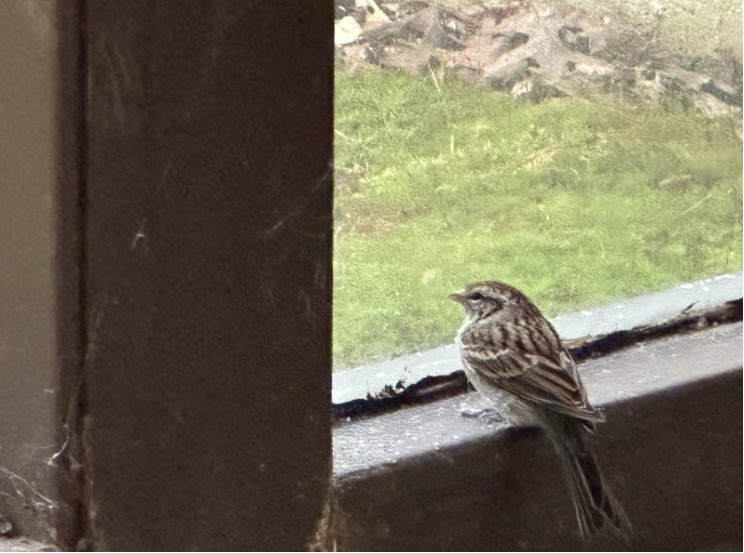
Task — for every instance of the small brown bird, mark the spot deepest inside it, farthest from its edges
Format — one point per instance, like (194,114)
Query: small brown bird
(512,354)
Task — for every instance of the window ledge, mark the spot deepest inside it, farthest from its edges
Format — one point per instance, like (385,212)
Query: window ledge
(372,379)
(426,477)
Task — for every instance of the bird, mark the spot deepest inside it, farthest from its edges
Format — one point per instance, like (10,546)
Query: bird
(513,355)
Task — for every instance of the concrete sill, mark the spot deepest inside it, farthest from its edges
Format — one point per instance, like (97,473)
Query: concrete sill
(426,478)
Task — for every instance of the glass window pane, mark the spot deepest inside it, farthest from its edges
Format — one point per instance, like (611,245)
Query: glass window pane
(582,153)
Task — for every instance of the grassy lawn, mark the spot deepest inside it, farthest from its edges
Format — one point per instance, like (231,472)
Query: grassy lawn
(575,201)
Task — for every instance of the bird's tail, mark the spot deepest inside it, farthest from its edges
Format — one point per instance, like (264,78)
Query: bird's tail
(593,500)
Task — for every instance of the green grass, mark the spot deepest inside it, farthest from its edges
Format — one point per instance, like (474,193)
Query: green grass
(575,201)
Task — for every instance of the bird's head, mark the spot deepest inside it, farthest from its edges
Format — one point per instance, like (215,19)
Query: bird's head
(482,299)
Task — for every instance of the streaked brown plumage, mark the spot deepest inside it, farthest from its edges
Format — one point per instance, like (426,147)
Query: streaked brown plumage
(512,354)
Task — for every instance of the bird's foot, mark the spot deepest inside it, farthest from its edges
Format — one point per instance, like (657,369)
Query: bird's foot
(487,415)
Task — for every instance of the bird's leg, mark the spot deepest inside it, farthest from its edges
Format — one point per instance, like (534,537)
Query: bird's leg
(489,415)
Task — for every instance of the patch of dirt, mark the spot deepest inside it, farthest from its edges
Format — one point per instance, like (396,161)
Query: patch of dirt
(534,53)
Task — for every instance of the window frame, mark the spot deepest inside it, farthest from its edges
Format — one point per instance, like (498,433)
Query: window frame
(400,475)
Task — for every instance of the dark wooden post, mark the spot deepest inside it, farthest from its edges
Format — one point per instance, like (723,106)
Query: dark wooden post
(198,388)
(208,224)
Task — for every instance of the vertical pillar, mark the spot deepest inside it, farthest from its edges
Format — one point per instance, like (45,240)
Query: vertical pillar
(165,272)
(40,315)
(206,420)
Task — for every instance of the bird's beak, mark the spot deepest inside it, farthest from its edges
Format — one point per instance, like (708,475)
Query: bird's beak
(459,298)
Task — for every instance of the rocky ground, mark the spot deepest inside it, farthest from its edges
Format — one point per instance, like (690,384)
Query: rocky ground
(534,53)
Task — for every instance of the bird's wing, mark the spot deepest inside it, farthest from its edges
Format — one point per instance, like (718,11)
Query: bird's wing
(551,382)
